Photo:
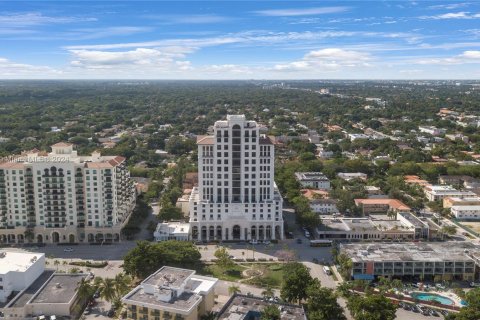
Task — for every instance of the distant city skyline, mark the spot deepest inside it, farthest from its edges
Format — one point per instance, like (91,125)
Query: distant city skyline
(240,40)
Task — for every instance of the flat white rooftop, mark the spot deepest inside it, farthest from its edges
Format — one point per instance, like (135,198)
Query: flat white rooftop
(466,208)
(203,284)
(17,261)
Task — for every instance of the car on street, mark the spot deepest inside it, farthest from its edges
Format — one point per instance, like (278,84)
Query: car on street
(111,313)
(299,241)
(474,284)
(68,249)
(253,241)
(96,295)
(266,242)
(289,235)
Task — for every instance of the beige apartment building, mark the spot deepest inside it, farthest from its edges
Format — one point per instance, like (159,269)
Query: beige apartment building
(62,197)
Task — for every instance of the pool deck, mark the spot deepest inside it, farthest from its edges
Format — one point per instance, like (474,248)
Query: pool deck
(450,295)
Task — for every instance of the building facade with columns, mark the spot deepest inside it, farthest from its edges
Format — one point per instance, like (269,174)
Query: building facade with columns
(62,197)
(236,198)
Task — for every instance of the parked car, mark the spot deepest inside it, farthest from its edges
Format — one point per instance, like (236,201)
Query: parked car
(266,242)
(299,241)
(474,284)
(96,294)
(434,313)
(289,235)
(111,313)
(253,241)
(68,249)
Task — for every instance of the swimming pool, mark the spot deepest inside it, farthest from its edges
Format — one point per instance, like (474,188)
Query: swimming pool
(424,296)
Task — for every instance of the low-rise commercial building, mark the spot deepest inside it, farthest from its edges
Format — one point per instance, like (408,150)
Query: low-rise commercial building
(347,176)
(323,206)
(173,230)
(18,271)
(171,293)
(313,180)
(434,131)
(183,203)
(412,179)
(250,307)
(381,205)
(51,294)
(466,212)
(360,229)
(416,260)
(440,192)
(464,181)
(28,290)
(373,191)
(406,227)
(455,201)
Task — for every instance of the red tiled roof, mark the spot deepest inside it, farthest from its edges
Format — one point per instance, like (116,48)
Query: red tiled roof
(392,203)
(204,140)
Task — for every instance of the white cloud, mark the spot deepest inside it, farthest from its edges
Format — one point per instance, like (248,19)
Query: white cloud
(189,19)
(329,59)
(471,54)
(253,37)
(227,69)
(452,15)
(140,57)
(10,69)
(300,11)
(467,57)
(96,33)
(37,18)
(449,6)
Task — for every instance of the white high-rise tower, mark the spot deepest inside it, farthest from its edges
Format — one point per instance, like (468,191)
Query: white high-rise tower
(236,197)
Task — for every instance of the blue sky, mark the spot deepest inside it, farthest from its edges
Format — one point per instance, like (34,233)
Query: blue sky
(240,40)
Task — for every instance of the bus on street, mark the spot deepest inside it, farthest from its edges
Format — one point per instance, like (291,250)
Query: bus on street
(320,243)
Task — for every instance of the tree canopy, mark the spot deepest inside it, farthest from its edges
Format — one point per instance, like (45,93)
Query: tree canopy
(147,257)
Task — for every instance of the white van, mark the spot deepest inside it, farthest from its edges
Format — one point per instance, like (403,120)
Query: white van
(327,270)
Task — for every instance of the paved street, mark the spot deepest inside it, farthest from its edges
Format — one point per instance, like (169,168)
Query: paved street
(114,254)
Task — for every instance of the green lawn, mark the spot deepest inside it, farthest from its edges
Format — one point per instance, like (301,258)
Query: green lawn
(231,274)
(272,275)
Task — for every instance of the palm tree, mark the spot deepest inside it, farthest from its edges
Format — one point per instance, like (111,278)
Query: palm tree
(122,284)
(74,270)
(392,214)
(107,289)
(85,290)
(29,234)
(397,284)
(233,289)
